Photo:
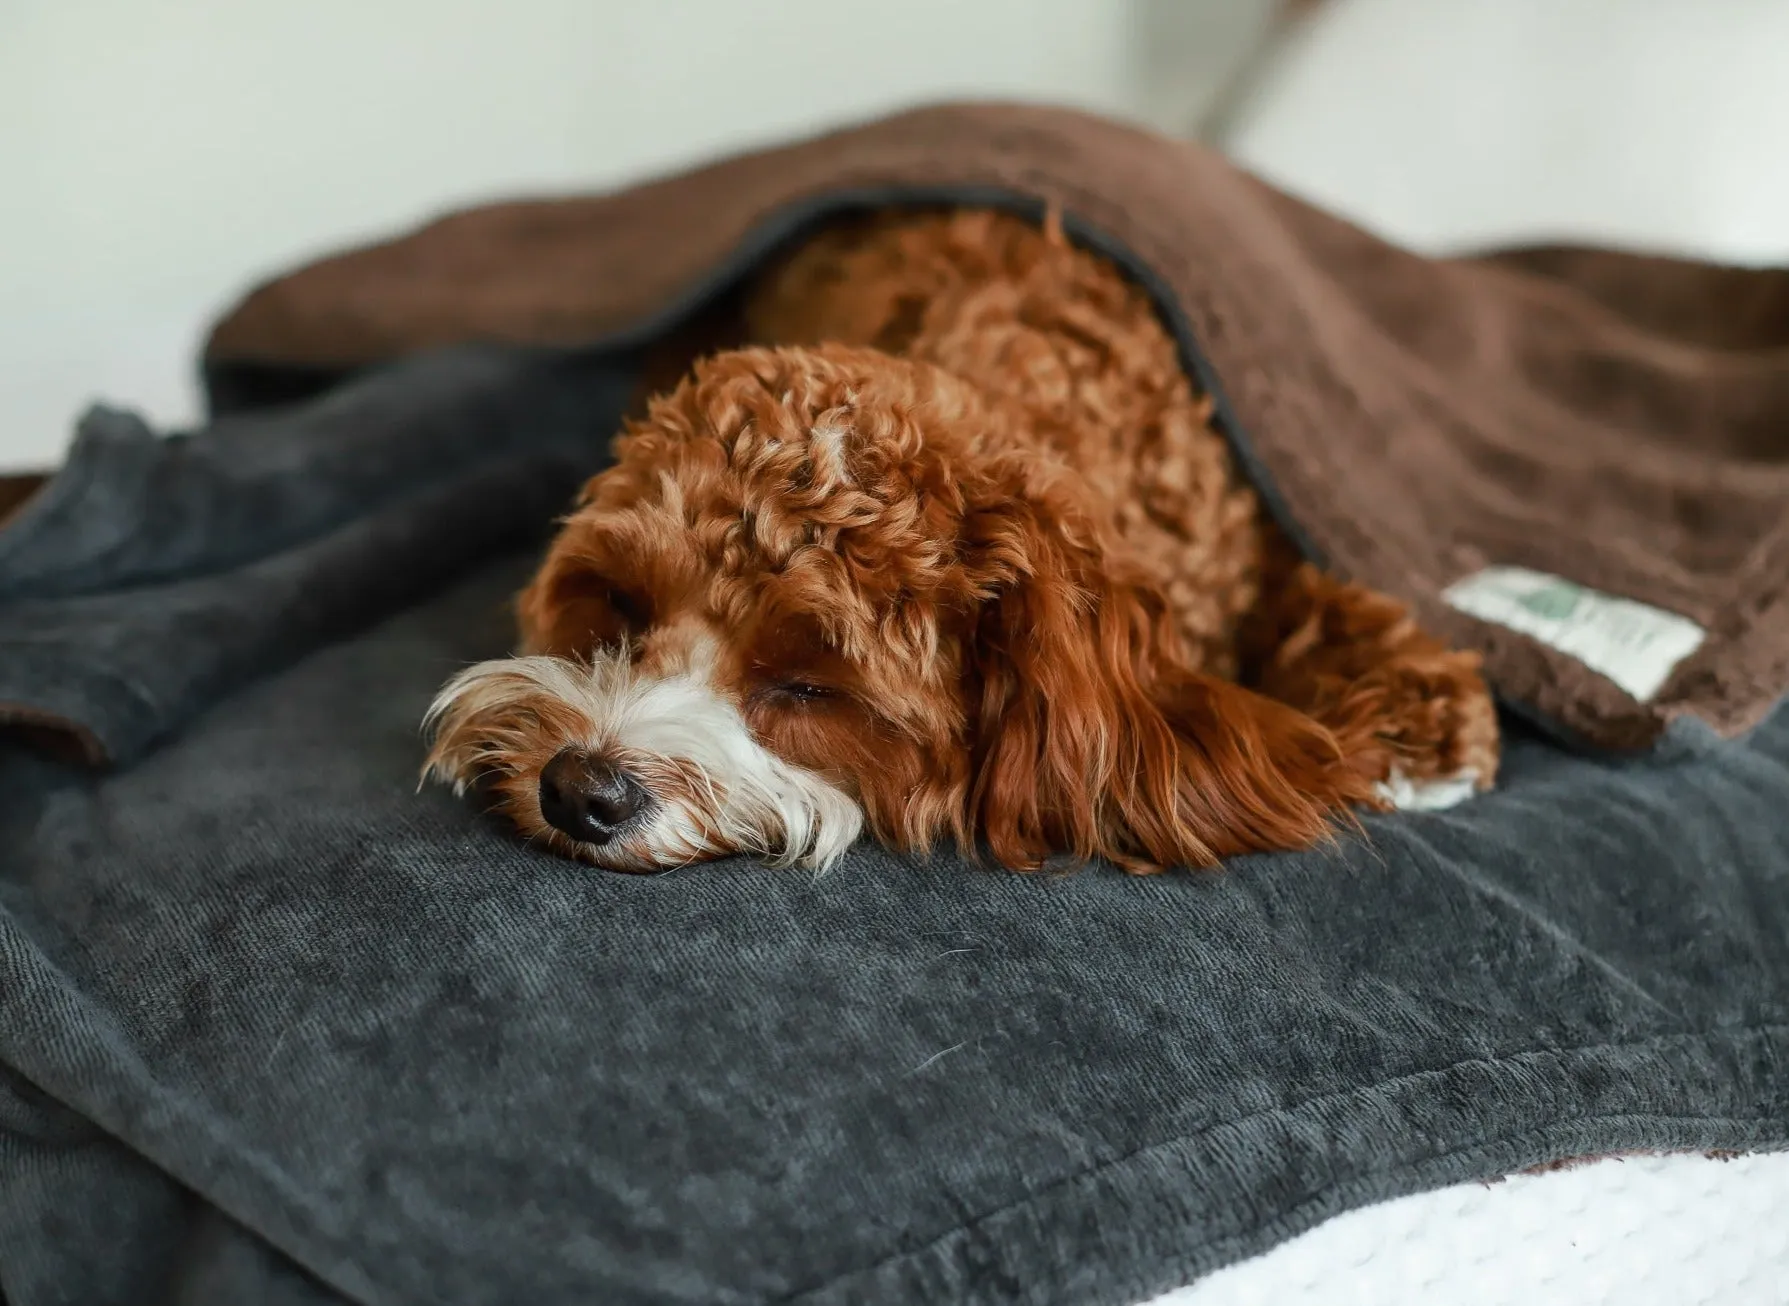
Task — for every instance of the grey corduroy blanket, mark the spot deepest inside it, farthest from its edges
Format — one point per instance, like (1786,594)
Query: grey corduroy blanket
(277,1028)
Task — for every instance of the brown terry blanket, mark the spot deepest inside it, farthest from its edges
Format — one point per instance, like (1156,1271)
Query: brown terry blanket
(1618,424)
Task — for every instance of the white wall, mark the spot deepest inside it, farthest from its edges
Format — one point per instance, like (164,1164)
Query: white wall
(158,155)
(1450,123)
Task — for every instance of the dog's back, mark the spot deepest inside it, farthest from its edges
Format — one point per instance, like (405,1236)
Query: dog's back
(1064,336)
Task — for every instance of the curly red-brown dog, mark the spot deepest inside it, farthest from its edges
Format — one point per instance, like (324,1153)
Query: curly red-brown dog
(953,555)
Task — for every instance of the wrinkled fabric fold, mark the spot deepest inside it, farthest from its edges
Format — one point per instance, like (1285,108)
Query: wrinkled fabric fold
(153,575)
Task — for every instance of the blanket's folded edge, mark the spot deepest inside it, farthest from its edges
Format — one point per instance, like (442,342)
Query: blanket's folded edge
(231,374)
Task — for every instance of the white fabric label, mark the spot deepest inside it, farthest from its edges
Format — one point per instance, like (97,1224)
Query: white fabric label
(1633,644)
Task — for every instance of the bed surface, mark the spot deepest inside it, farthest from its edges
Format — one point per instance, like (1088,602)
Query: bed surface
(1643,1231)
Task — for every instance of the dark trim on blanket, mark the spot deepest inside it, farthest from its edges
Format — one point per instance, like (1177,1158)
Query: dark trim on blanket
(16,492)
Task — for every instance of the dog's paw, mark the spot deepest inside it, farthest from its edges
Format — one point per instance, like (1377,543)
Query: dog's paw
(1433,794)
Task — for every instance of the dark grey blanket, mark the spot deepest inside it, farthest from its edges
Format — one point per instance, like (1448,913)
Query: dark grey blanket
(276,1028)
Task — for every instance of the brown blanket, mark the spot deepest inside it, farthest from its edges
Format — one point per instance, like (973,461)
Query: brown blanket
(1614,426)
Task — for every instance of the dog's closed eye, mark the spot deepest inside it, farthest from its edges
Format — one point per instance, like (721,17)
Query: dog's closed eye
(631,610)
(795,693)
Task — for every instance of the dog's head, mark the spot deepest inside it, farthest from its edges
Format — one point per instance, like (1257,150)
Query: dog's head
(824,589)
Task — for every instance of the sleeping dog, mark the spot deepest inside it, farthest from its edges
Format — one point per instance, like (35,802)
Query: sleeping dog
(949,553)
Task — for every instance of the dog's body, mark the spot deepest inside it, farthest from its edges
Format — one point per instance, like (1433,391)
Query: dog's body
(954,553)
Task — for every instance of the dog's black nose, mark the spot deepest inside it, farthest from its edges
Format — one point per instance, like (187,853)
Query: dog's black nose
(588,798)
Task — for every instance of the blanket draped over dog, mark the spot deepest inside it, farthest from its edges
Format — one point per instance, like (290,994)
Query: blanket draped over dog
(1597,421)
(278,1030)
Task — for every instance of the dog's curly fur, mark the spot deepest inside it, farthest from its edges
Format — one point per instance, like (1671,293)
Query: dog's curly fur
(952,551)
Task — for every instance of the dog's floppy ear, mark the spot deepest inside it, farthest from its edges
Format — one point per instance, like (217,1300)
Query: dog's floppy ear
(1090,735)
